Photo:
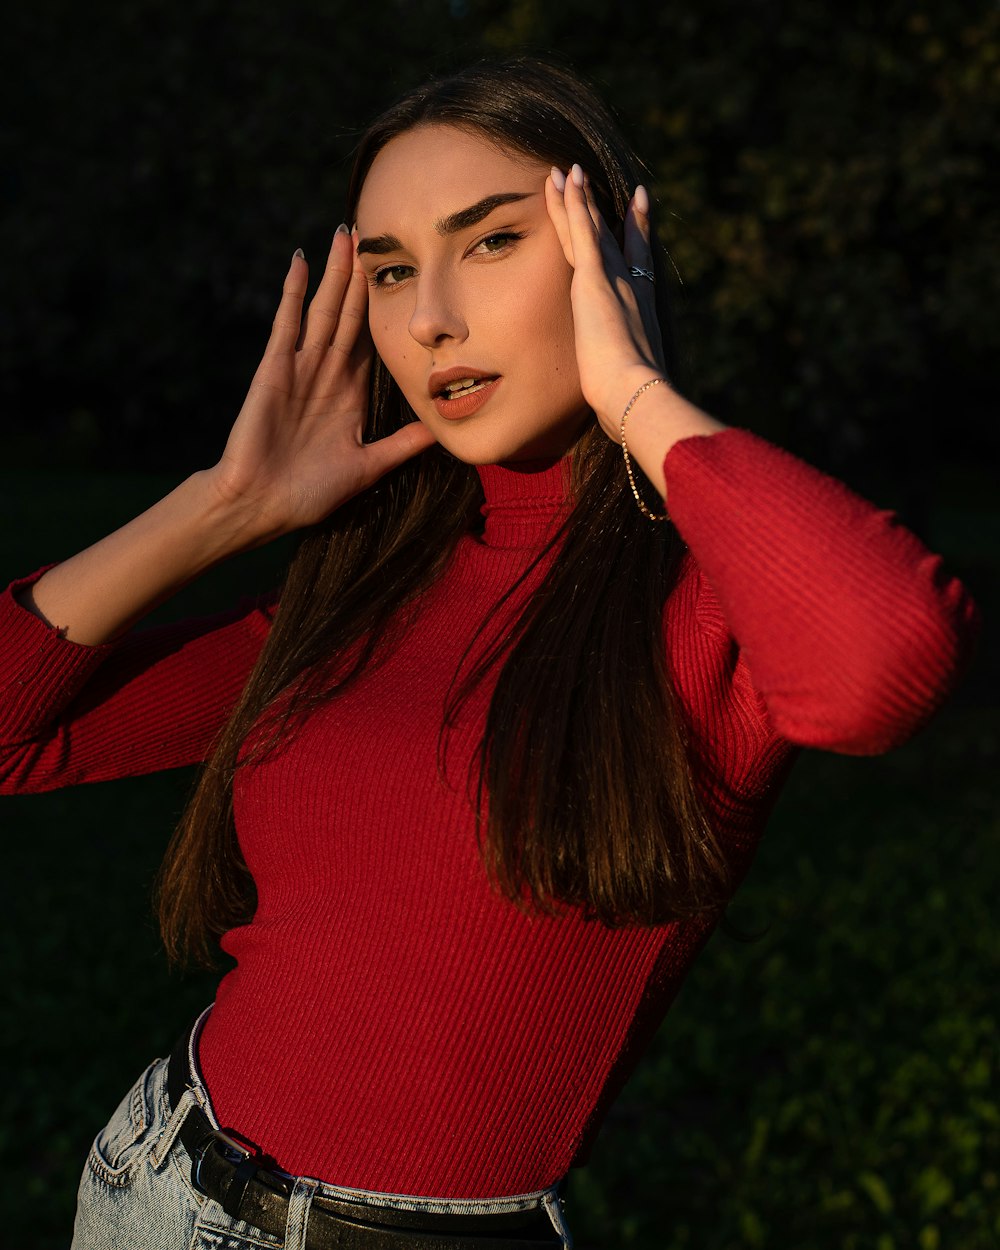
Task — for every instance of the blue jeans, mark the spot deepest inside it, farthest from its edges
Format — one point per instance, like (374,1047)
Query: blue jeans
(136,1192)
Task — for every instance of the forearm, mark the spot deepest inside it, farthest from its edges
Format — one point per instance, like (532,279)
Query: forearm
(98,594)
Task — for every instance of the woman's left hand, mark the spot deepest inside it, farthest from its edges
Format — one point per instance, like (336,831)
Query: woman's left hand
(618,344)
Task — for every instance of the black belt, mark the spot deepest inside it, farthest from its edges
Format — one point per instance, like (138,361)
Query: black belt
(239,1177)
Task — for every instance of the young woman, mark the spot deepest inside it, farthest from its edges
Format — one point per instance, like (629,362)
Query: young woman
(482,776)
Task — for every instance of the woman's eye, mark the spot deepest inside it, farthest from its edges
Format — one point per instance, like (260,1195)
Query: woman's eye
(497,242)
(391,275)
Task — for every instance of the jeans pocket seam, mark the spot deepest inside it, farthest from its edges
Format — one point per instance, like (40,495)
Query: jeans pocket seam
(115,1177)
(127,1149)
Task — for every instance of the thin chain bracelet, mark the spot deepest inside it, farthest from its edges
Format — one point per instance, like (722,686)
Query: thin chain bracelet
(651,516)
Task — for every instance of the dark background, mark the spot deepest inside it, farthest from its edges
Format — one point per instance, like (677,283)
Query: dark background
(821,177)
(824,178)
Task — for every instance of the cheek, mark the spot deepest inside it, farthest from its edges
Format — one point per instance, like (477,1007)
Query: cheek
(550,326)
(387,340)
(543,303)
(400,355)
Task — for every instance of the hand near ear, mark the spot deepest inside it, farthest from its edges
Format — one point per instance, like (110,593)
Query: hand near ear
(296,450)
(618,343)
(294,454)
(617,336)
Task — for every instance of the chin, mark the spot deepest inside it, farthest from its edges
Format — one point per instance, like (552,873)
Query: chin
(493,446)
(495,452)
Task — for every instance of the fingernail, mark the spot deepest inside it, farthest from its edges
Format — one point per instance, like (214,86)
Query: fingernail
(342,228)
(558,179)
(299,252)
(576,173)
(641,199)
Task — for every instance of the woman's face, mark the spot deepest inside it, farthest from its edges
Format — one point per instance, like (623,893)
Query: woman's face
(467,279)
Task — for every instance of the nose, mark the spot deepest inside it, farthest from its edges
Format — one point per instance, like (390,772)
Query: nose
(437,315)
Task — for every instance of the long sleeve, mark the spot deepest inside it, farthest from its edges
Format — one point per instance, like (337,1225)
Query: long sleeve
(155,699)
(851,629)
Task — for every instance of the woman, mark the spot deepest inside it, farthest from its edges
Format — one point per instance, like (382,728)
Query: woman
(504,745)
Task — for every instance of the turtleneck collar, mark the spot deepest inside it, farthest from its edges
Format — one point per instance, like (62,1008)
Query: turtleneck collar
(525,503)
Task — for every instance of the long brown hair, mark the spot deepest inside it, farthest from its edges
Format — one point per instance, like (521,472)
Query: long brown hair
(584,753)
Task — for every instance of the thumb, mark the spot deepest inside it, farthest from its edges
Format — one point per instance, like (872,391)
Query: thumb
(403,444)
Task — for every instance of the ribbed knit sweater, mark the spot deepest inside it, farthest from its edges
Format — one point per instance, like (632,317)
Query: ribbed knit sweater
(392,1023)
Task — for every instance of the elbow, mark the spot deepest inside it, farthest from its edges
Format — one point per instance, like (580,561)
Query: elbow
(865,730)
(880,695)
(14,775)
(26,768)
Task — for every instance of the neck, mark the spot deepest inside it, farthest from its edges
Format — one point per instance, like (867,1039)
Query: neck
(525,501)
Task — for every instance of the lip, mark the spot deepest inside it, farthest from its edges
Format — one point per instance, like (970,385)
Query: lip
(466,405)
(437,381)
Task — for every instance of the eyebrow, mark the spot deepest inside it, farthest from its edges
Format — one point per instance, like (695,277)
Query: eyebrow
(380,244)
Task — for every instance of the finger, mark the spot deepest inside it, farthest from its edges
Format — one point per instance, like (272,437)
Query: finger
(555,185)
(287,318)
(352,343)
(608,242)
(638,251)
(638,231)
(323,313)
(352,327)
(361,357)
(386,453)
(583,228)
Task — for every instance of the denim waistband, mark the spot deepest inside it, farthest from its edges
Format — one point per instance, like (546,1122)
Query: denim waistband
(547,1200)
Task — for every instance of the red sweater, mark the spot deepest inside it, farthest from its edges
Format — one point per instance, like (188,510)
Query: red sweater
(392,1023)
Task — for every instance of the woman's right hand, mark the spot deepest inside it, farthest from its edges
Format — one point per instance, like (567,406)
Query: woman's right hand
(295,452)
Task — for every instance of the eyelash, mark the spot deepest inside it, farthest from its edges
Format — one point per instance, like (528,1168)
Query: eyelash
(508,236)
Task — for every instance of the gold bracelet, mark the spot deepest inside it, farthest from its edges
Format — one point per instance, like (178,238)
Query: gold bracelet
(628,460)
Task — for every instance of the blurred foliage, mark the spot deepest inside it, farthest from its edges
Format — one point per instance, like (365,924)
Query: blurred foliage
(833,1084)
(822,177)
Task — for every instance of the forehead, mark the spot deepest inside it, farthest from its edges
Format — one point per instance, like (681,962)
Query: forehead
(431,171)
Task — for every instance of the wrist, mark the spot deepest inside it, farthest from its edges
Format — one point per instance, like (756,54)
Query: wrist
(652,419)
(96,595)
(233,521)
(626,382)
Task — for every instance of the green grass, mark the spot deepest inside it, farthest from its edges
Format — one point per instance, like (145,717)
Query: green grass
(830,1085)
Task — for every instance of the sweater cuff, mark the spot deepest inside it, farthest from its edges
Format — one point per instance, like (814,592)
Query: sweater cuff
(40,670)
(689,452)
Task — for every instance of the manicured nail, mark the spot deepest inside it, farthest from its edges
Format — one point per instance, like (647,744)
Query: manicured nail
(641,200)
(558,179)
(342,228)
(576,173)
(299,252)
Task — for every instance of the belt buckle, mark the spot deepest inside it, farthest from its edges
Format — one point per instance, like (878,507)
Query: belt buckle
(230,1147)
